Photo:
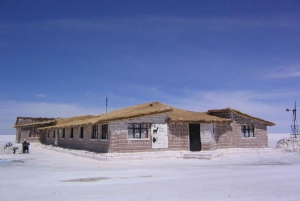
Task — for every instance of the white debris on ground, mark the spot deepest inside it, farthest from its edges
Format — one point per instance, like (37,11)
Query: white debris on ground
(289,144)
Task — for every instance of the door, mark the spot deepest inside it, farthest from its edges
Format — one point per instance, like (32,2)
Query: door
(195,142)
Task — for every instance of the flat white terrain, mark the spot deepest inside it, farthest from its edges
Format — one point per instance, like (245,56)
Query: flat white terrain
(48,175)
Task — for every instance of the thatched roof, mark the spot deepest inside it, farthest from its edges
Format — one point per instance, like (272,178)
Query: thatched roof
(42,123)
(229,110)
(125,113)
(179,115)
(72,121)
(175,115)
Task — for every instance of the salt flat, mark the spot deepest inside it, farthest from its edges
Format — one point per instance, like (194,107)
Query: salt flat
(49,175)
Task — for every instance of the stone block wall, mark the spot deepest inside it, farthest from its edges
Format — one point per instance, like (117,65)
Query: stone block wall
(117,136)
(207,137)
(229,136)
(24,133)
(178,134)
(119,141)
(85,143)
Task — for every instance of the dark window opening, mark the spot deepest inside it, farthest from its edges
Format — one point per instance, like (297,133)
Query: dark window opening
(54,133)
(81,132)
(104,131)
(95,132)
(63,133)
(72,133)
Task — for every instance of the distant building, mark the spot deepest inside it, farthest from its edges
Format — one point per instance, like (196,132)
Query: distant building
(26,128)
(154,126)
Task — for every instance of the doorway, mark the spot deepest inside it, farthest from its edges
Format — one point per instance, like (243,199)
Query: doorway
(195,142)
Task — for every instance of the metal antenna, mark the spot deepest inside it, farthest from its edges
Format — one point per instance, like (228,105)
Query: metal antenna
(106,105)
(294,125)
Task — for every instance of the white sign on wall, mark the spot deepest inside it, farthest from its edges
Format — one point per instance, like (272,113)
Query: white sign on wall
(159,136)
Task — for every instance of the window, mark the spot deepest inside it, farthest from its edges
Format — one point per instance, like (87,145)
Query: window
(72,133)
(247,131)
(33,133)
(137,131)
(54,133)
(81,132)
(104,131)
(48,133)
(63,133)
(95,132)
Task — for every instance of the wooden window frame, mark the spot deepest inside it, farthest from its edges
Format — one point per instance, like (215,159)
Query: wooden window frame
(248,131)
(104,133)
(137,131)
(95,132)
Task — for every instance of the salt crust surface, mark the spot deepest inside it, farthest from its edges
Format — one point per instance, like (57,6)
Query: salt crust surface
(50,175)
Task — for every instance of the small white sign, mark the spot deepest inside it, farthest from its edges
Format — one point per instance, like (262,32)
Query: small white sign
(159,136)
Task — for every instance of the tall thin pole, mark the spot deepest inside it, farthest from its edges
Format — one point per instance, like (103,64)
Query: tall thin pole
(294,126)
(106,105)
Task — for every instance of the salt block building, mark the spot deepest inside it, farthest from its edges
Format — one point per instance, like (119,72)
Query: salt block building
(26,128)
(151,127)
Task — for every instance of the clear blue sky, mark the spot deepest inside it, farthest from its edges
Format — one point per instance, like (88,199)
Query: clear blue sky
(63,58)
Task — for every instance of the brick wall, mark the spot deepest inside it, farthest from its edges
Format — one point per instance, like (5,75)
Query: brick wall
(117,137)
(178,134)
(119,141)
(230,136)
(207,137)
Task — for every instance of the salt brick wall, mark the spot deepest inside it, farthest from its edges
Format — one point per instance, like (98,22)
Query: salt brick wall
(117,137)
(207,137)
(119,141)
(23,132)
(178,134)
(85,143)
(229,135)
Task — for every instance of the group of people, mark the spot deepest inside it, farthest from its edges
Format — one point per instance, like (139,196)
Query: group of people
(25,146)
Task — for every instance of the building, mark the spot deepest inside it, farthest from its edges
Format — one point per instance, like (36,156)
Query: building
(155,126)
(26,128)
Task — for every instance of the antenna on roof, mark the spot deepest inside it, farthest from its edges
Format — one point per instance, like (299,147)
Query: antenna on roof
(106,104)
(294,125)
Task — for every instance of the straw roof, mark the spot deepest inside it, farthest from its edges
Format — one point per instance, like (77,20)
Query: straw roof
(179,115)
(175,115)
(135,111)
(71,121)
(227,110)
(42,123)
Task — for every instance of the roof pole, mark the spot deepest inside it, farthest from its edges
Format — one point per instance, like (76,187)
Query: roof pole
(106,105)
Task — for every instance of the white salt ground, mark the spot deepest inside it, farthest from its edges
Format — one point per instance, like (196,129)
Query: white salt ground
(49,175)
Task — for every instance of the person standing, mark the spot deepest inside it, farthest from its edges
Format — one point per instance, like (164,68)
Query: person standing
(25,145)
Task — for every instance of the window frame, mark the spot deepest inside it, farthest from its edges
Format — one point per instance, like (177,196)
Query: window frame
(248,131)
(72,133)
(63,133)
(81,132)
(104,131)
(95,132)
(137,131)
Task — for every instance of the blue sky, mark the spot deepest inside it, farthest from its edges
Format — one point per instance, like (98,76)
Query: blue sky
(63,58)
